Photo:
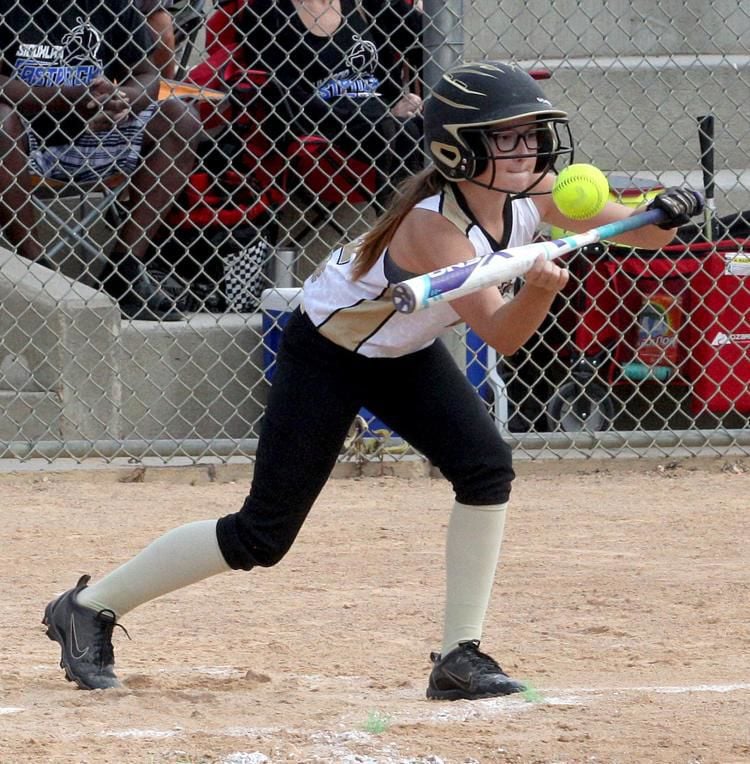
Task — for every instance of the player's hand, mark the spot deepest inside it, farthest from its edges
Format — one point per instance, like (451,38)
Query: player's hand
(680,204)
(410,105)
(547,275)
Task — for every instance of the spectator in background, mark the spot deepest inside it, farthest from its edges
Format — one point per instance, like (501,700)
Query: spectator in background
(78,101)
(337,68)
(339,65)
(159,17)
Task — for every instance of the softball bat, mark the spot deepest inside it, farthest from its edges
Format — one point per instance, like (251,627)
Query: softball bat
(495,268)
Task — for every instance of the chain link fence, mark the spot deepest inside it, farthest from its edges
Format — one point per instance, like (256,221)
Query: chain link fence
(147,322)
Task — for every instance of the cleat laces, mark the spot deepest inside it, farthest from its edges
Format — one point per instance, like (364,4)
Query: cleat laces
(103,647)
(483,663)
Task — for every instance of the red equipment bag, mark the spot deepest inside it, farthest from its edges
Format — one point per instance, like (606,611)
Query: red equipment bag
(617,288)
(662,284)
(720,320)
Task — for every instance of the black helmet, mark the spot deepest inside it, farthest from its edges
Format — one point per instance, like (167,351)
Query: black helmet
(470,98)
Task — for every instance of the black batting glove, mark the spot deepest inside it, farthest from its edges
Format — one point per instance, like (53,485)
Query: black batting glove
(679,205)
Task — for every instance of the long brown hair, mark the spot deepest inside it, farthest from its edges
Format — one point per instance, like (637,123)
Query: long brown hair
(425,183)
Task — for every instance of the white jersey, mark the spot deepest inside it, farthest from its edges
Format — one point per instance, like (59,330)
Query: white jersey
(359,315)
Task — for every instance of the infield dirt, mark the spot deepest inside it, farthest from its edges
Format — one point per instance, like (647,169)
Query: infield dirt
(622,597)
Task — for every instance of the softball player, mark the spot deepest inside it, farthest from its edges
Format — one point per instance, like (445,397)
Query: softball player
(494,140)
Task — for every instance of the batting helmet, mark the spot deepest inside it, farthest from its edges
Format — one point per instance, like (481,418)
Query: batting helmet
(469,99)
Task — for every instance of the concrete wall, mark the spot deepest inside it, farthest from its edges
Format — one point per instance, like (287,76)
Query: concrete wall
(634,77)
(201,378)
(71,369)
(58,355)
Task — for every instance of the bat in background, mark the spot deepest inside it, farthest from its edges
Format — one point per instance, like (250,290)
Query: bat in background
(496,268)
(706,140)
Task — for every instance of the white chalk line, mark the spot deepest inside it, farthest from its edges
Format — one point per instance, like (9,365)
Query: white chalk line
(460,711)
(444,713)
(550,694)
(142,734)
(666,690)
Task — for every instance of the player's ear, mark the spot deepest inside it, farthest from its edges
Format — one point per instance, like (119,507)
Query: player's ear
(547,149)
(479,149)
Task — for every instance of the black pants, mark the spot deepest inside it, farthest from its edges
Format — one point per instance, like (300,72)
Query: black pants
(317,390)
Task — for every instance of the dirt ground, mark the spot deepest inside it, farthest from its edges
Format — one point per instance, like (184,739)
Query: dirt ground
(622,598)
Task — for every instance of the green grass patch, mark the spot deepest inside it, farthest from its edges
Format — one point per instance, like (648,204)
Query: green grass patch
(376,723)
(532,695)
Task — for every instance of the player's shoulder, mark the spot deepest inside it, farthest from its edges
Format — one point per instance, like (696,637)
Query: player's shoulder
(429,222)
(426,240)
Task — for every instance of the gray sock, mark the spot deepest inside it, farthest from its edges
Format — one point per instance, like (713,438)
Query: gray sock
(179,558)
(475,535)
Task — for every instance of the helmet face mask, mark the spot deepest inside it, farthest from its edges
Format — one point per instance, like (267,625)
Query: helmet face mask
(470,105)
(548,141)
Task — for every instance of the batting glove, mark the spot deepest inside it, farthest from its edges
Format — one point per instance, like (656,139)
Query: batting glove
(679,204)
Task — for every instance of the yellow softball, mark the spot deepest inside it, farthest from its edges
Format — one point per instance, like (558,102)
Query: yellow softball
(580,191)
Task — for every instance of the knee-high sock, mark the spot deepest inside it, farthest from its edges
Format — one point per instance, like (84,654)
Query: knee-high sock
(180,557)
(475,535)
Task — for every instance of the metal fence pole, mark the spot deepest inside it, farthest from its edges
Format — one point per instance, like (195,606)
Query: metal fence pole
(443,37)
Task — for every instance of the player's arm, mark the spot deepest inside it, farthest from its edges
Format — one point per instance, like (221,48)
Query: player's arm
(29,101)
(679,204)
(507,325)
(426,241)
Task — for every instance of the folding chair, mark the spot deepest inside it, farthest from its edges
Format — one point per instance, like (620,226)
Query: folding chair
(75,228)
(188,19)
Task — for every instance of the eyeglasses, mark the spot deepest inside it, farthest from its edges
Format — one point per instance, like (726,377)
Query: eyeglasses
(506,141)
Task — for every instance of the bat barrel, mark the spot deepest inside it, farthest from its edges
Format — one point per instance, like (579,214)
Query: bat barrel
(420,291)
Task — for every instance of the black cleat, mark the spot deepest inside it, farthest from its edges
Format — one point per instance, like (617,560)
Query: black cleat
(140,296)
(85,637)
(468,674)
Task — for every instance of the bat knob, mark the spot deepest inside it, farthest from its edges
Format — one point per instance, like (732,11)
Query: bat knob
(403,299)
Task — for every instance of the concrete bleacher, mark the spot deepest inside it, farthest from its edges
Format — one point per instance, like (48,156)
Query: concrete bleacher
(72,369)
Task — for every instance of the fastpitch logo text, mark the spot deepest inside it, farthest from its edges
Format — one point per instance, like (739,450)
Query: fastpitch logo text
(75,62)
(356,80)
